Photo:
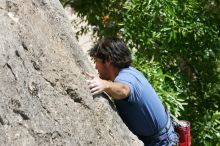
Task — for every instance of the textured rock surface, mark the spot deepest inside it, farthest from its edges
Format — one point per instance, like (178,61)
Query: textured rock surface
(44,99)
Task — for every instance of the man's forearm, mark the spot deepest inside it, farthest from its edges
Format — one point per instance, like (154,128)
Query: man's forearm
(117,90)
(114,89)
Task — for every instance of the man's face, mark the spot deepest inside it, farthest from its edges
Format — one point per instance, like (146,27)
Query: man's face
(103,69)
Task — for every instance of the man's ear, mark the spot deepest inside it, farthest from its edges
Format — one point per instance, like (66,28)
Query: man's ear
(109,62)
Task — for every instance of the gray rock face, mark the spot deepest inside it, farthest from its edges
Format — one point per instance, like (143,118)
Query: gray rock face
(44,98)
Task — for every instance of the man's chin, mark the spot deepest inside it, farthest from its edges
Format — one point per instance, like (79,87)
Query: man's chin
(102,77)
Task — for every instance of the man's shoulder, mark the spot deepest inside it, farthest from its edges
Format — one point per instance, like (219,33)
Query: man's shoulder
(129,69)
(128,73)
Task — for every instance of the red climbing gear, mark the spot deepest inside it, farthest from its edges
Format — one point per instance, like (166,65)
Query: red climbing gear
(183,129)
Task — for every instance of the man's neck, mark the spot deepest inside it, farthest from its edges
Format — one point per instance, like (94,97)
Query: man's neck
(114,72)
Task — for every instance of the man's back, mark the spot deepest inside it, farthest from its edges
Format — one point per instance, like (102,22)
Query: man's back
(142,111)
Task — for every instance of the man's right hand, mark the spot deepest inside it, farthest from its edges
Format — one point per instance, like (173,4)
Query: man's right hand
(96,85)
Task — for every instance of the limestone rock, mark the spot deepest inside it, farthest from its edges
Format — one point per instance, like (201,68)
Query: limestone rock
(44,98)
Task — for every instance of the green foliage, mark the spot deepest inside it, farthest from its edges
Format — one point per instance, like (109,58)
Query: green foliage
(183,39)
(210,131)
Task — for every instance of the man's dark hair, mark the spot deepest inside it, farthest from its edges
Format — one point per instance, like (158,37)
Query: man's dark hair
(114,49)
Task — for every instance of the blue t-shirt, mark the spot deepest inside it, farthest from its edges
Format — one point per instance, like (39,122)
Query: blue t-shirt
(142,111)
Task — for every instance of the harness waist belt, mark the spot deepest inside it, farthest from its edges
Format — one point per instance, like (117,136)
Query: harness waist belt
(159,135)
